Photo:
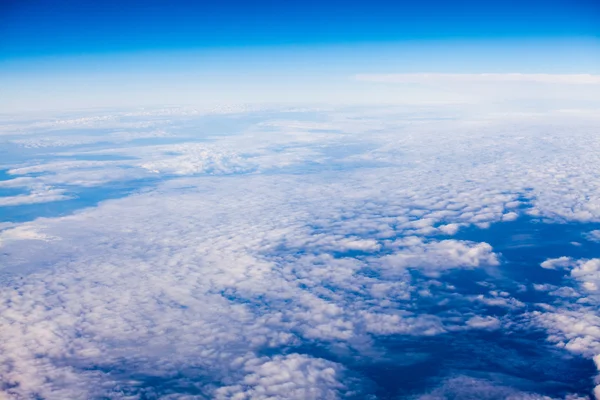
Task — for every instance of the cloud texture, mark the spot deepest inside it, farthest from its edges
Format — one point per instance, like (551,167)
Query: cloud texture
(278,261)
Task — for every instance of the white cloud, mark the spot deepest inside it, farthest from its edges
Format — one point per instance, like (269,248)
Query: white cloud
(292,377)
(557,263)
(24,232)
(569,79)
(189,159)
(487,322)
(593,236)
(43,195)
(433,257)
(510,216)
(312,238)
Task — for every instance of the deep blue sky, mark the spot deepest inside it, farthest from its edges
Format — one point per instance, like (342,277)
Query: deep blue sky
(32,28)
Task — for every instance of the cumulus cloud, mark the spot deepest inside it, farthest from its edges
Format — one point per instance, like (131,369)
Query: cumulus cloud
(192,159)
(432,257)
(510,216)
(292,377)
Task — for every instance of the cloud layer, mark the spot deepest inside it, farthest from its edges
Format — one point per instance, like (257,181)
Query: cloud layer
(285,259)
(563,79)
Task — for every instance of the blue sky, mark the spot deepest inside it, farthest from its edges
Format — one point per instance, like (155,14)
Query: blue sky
(74,54)
(37,28)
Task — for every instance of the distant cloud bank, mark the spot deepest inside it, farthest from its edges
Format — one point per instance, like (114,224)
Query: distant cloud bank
(567,79)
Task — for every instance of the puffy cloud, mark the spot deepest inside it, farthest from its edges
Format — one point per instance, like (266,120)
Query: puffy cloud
(432,257)
(576,330)
(192,159)
(292,377)
(510,216)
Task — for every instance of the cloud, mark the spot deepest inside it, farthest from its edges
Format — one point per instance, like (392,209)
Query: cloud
(557,263)
(576,326)
(191,159)
(433,257)
(23,232)
(46,141)
(355,139)
(568,79)
(43,195)
(488,322)
(510,216)
(254,249)
(593,236)
(173,287)
(293,376)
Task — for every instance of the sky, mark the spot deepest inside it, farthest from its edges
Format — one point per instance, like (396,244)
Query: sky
(73,54)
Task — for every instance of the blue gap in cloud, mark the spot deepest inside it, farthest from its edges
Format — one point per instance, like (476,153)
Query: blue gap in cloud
(5,192)
(190,382)
(520,358)
(524,361)
(83,197)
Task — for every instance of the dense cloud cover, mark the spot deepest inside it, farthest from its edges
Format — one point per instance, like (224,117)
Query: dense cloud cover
(300,254)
